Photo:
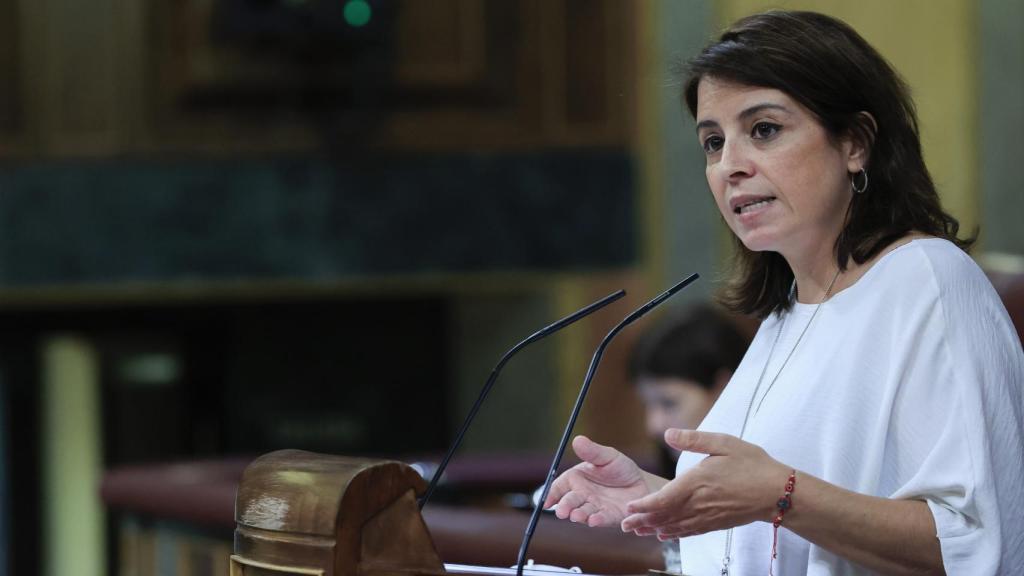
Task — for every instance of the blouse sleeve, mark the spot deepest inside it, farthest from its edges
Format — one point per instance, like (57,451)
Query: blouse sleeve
(958,417)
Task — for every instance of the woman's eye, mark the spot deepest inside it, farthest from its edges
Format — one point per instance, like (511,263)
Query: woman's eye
(712,144)
(764,130)
(668,405)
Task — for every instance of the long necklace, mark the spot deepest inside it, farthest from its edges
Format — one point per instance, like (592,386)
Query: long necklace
(757,388)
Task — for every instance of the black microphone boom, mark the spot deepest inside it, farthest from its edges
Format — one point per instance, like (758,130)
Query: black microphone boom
(579,404)
(546,331)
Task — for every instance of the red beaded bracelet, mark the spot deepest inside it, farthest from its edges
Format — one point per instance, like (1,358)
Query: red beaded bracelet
(784,503)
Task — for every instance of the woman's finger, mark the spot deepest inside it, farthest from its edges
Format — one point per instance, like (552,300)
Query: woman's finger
(649,520)
(559,487)
(568,503)
(582,514)
(660,500)
(592,452)
(711,443)
(675,533)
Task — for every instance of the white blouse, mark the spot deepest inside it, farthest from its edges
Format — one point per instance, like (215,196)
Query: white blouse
(907,385)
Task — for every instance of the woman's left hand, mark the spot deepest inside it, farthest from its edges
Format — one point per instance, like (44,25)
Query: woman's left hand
(738,483)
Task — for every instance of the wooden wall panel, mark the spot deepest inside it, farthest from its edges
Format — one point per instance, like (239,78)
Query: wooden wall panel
(10,84)
(183,76)
(446,56)
(118,76)
(70,68)
(441,43)
(597,44)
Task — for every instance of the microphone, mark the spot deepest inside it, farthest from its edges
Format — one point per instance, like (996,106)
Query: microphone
(579,404)
(543,332)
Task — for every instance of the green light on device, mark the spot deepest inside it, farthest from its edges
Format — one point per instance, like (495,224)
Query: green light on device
(357,13)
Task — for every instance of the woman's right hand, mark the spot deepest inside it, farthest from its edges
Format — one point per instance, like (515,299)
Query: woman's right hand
(597,490)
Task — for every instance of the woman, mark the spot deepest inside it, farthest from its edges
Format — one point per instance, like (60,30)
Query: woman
(875,423)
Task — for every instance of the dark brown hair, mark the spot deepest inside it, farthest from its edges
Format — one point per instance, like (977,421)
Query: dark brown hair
(826,66)
(692,346)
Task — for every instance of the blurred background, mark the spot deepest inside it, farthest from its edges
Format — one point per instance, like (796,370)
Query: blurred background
(233,226)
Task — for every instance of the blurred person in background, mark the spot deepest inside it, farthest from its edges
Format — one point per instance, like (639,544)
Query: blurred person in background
(679,367)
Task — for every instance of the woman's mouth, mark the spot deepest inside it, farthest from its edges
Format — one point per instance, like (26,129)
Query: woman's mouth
(753,205)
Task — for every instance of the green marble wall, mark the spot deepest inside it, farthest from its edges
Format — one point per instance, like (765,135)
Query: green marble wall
(106,222)
(1001,145)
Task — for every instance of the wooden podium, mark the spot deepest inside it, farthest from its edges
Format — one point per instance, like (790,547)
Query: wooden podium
(311,514)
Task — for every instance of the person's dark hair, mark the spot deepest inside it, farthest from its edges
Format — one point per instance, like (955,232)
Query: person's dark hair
(692,346)
(826,66)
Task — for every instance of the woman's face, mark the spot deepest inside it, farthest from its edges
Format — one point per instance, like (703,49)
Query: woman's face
(780,182)
(673,403)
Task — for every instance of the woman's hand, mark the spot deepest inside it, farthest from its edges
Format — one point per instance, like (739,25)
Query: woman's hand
(736,484)
(597,490)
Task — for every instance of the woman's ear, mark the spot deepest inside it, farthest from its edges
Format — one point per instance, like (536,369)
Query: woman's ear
(862,139)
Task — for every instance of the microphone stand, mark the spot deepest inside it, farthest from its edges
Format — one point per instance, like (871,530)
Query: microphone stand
(543,332)
(535,517)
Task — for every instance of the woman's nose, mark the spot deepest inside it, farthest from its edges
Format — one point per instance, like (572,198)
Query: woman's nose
(656,423)
(735,160)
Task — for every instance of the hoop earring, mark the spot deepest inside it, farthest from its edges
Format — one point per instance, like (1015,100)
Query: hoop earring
(853,182)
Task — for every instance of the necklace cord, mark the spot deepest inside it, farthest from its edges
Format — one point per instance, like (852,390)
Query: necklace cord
(726,559)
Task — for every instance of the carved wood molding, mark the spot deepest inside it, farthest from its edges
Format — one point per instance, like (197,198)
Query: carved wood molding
(457,73)
(119,76)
